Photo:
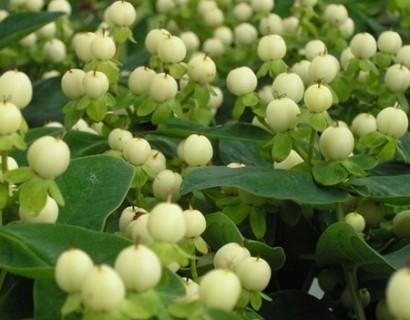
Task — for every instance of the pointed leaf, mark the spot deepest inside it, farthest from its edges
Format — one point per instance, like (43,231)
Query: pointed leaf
(329,173)
(33,195)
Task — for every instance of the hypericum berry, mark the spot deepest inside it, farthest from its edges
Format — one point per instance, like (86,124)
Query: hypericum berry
(271,47)
(154,38)
(216,98)
(241,81)
(214,47)
(301,68)
(190,40)
(335,14)
(10,118)
(397,78)
(397,293)
(348,302)
(245,34)
(49,157)
(49,214)
(140,80)
(47,31)
(72,83)
(262,5)
(288,84)
(195,223)
(71,268)
(11,165)
(166,185)
(403,55)
(242,11)
(137,151)
(59,5)
(118,138)
(197,150)
(336,142)
(202,69)
(382,312)
(363,45)
(213,17)
(314,48)
(254,273)
(230,255)
(82,45)
(220,288)
(121,14)
(102,289)
(356,221)
(163,87)
(290,25)
(34,5)
(347,28)
(156,162)
(292,160)
(171,49)
(282,114)
(324,68)
(167,222)
(95,84)
(401,224)
(265,94)
(28,40)
(102,47)
(128,215)
(363,123)
(54,50)
(318,98)
(389,42)
(271,24)
(137,230)
(225,34)
(191,291)
(16,87)
(393,122)
(139,267)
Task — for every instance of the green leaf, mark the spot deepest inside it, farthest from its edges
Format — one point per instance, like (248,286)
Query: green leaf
(85,144)
(237,212)
(140,176)
(72,303)
(18,25)
(367,65)
(96,110)
(265,182)
(234,131)
(373,139)
(257,222)
(399,258)
(146,107)
(177,70)
(201,94)
(219,314)
(342,88)
(83,103)
(364,161)
(93,187)
(382,60)
(161,114)
(136,309)
(238,151)
(72,115)
(263,70)
(55,192)
(250,99)
(353,168)
(186,310)
(329,173)
(238,108)
(33,195)
(319,121)
(256,300)
(387,189)
(276,67)
(220,230)
(339,244)
(201,245)
(31,250)
(4,195)
(282,145)
(275,256)
(48,299)
(19,175)
(388,151)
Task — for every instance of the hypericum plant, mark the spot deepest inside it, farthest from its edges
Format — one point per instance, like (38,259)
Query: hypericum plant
(197,159)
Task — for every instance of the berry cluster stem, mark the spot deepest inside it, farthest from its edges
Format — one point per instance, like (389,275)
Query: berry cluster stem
(311,145)
(350,276)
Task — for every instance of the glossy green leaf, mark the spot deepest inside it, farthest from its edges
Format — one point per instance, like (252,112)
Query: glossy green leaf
(238,131)
(237,212)
(238,108)
(373,139)
(84,144)
(387,189)
(220,230)
(329,173)
(282,145)
(96,110)
(201,94)
(257,222)
(399,258)
(239,151)
(340,244)
(250,99)
(219,314)
(17,25)
(19,175)
(93,187)
(388,151)
(33,195)
(31,250)
(146,107)
(265,182)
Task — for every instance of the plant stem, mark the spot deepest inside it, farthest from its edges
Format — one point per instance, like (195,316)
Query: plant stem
(311,145)
(194,271)
(4,167)
(350,276)
(340,212)
(138,197)
(3,274)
